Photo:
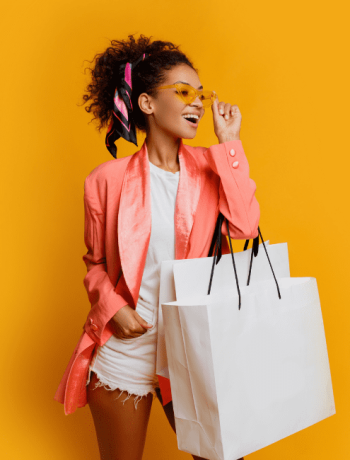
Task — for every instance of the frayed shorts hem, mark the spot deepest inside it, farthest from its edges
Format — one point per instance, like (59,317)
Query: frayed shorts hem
(105,383)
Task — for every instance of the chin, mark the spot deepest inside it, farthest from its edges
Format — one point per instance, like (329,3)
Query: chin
(188,135)
(183,133)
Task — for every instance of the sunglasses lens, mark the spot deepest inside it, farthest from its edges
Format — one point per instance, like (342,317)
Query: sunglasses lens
(188,95)
(207,98)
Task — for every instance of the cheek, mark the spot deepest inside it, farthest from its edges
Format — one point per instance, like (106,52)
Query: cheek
(170,113)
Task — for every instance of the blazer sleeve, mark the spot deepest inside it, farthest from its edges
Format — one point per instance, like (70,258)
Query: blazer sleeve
(105,302)
(237,201)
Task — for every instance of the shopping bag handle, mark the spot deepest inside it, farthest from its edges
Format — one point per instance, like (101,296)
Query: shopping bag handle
(218,253)
(213,241)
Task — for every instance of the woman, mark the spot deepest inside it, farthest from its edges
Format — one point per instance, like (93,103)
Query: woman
(158,204)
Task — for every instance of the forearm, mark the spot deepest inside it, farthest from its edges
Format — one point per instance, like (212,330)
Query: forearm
(237,201)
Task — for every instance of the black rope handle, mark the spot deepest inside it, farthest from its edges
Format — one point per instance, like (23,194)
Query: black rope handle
(268,258)
(217,230)
(217,254)
(255,251)
(234,265)
(217,242)
(215,261)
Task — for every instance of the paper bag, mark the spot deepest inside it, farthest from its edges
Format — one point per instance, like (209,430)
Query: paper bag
(244,379)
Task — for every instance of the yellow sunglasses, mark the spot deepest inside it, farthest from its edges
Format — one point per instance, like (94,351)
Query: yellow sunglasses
(188,94)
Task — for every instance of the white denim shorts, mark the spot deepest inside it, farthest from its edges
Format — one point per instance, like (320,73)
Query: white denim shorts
(129,364)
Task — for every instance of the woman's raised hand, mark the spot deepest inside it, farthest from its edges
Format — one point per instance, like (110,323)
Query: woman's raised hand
(227,121)
(127,323)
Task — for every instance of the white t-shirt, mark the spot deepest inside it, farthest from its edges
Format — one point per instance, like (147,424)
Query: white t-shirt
(164,186)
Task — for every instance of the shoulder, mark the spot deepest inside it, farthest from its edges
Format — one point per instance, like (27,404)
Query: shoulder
(195,150)
(112,170)
(198,154)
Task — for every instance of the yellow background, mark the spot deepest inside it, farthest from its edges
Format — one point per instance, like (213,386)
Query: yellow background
(286,65)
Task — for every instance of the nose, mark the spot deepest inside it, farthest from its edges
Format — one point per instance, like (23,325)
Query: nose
(197,103)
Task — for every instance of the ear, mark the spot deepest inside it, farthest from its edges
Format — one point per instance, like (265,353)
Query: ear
(145,102)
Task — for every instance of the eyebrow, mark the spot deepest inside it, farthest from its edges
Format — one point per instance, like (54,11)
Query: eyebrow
(185,83)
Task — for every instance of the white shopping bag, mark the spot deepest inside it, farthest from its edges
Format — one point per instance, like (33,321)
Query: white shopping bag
(242,379)
(198,278)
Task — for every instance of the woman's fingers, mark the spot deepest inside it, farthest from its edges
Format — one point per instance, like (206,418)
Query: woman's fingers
(127,323)
(226,109)
(216,109)
(221,107)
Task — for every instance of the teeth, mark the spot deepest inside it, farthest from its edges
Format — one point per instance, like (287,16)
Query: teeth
(191,116)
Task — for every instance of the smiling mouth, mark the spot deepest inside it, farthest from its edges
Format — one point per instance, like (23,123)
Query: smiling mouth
(193,122)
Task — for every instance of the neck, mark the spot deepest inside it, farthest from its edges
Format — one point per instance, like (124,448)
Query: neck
(163,151)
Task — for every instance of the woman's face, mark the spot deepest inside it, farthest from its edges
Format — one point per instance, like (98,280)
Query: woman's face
(165,110)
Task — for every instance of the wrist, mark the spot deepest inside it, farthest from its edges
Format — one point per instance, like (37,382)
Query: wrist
(222,140)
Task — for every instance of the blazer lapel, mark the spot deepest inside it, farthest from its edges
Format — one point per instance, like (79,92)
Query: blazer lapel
(134,216)
(134,220)
(187,198)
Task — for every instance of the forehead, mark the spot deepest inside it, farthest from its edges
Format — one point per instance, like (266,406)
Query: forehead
(183,73)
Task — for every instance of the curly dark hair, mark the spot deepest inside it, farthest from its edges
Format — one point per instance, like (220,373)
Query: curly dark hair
(147,75)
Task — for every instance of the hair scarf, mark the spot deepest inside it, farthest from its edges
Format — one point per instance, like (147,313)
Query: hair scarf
(122,124)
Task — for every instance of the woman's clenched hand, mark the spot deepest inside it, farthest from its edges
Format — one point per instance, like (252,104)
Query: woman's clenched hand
(127,323)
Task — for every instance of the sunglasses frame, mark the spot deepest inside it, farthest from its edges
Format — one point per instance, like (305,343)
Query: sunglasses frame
(198,92)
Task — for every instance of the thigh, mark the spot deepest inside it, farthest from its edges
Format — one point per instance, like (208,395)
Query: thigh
(120,428)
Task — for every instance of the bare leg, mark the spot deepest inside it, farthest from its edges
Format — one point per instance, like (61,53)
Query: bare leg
(120,428)
(169,412)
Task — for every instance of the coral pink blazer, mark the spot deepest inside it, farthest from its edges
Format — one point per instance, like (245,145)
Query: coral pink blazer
(117,200)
